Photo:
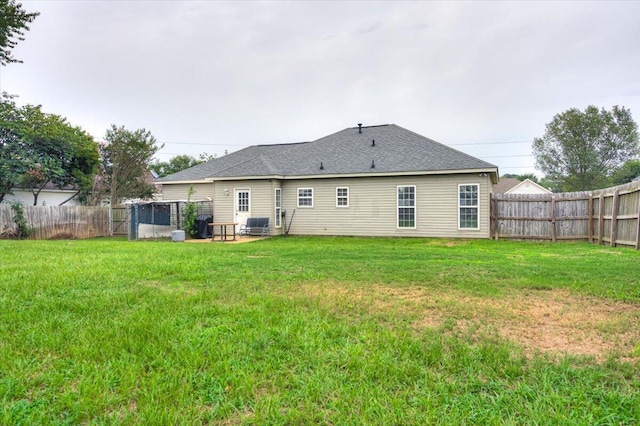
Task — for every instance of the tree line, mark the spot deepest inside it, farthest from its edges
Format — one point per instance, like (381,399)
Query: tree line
(39,149)
(590,149)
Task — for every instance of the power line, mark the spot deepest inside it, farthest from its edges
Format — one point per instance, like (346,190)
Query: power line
(200,143)
(488,143)
(453,144)
(450,144)
(507,156)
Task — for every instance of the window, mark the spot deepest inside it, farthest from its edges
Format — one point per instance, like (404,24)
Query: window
(305,197)
(278,207)
(468,206)
(407,206)
(342,197)
(242,200)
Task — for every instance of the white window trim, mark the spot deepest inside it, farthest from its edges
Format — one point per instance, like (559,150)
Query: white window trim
(235,199)
(298,197)
(476,207)
(347,197)
(415,207)
(277,210)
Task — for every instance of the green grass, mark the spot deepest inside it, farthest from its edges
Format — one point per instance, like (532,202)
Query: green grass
(297,331)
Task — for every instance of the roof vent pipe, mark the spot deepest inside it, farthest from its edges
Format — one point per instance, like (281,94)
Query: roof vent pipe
(373,142)
(373,165)
(359,127)
(321,166)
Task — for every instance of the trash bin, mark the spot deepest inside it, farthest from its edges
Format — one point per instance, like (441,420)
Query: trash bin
(202,225)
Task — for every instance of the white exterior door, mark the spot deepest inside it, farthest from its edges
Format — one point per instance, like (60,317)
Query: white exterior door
(242,206)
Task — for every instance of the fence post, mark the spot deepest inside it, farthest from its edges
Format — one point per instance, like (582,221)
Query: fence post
(601,218)
(492,213)
(491,217)
(496,214)
(553,218)
(110,221)
(638,230)
(614,218)
(590,210)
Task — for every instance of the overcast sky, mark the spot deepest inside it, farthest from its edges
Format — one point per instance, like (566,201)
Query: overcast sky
(205,76)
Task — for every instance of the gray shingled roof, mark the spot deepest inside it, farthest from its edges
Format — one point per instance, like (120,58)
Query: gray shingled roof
(346,152)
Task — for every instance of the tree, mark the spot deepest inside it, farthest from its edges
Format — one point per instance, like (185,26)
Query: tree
(13,23)
(127,157)
(580,150)
(14,158)
(626,173)
(179,163)
(37,148)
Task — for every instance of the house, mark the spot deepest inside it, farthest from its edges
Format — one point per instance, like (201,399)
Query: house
(362,181)
(515,186)
(50,195)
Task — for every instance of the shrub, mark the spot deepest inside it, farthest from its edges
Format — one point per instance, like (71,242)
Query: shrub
(190,215)
(22,230)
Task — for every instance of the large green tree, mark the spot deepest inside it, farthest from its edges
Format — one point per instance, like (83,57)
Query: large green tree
(14,22)
(14,155)
(581,149)
(626,173)
(179,163)
(127,157)
(37,148)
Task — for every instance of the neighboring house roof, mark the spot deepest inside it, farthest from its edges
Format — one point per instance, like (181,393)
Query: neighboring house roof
(384,149)
(515,186)
(528,186)
(505,184)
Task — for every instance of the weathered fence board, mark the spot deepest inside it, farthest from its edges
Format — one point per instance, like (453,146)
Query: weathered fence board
(610,215)
(60,221)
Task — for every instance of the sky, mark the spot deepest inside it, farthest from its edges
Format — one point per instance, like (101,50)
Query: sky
(214,76)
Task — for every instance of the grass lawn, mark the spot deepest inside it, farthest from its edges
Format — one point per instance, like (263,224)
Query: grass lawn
(319,331)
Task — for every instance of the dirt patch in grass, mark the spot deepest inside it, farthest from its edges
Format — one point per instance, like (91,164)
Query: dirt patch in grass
(540,321)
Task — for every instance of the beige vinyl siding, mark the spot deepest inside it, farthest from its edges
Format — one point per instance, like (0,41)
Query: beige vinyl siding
(181,191)
(372,207)
(261,202)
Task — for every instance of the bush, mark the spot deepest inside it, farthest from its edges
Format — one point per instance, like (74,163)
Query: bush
(190,215)
(23,230)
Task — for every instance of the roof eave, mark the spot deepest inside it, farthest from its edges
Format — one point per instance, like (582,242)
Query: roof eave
(176,182)
(493,173)
(228,178)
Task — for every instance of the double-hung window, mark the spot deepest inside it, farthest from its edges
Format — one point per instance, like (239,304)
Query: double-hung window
(407,206)
(468,206)
(305,197)
(278,207)
(342,197)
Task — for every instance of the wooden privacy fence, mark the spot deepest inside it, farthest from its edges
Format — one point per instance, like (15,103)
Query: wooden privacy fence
(610,215)
(60,221)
